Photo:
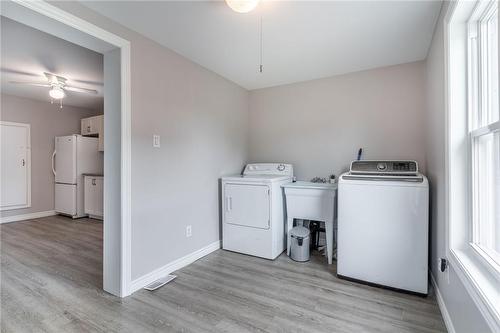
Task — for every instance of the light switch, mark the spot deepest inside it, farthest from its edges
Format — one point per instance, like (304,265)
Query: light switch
(156,141)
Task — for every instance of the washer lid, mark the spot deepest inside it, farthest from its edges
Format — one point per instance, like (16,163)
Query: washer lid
(383,180)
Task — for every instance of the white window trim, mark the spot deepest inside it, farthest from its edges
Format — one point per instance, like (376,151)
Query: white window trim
(480,279)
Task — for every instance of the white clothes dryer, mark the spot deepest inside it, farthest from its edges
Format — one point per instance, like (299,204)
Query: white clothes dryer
(253,210)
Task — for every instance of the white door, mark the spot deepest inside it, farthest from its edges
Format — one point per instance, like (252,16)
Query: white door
(65,159)
(247,205)
(65,199)
(15,166)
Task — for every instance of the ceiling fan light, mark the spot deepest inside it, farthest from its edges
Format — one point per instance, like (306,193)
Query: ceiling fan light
(56,93)
(242,6)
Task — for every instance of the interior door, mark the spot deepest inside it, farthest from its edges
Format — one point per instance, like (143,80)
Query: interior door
(15,166)
(247,205)
(65,159)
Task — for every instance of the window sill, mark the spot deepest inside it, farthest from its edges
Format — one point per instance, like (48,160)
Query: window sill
(482,285)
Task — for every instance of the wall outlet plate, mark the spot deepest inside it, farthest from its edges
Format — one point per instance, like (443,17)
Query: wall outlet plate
(156,141)
(188,231)
(444,267)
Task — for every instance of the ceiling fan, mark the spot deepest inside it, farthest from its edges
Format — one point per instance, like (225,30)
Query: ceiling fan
(58,87)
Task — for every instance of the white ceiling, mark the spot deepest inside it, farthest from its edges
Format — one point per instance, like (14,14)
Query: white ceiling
(301,40)
(27,53)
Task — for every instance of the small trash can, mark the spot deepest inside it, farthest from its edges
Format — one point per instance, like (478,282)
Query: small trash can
(299,247)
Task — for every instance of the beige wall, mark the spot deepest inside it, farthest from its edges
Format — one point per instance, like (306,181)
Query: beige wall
(461,308)
(47,121)
(319,125)
(202,119)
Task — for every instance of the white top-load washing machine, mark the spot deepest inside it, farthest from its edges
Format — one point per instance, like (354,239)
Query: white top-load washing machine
(383,225)
(253,210)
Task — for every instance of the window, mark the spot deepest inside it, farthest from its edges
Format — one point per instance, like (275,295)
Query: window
(484,132)
(472,162)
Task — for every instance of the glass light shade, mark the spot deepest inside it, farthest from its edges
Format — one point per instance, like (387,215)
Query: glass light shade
(242,6)
(56,93)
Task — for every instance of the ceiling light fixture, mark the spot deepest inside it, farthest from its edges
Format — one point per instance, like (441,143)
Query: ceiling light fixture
(56,92)
(242,6)
(57,87)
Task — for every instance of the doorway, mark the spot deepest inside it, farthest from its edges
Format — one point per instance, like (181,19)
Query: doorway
(116,52)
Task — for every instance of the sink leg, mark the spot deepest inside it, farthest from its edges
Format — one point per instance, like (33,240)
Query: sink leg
(329,240)
(289,226)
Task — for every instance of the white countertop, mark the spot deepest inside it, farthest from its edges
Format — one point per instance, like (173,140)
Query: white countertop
(311,185)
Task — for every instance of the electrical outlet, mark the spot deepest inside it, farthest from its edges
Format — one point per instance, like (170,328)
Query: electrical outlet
(188,231)
(444,267)
(156,141)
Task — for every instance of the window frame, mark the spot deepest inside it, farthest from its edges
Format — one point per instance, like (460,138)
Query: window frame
(478,101)
(477,275)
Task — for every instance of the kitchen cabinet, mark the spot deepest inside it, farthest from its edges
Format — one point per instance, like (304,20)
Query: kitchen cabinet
(94,126)
(91,125)
(94,196)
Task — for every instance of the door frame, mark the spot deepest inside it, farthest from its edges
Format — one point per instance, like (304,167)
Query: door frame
(28,165)
(124,239)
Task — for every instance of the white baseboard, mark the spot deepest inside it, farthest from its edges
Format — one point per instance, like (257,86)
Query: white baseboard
(30,216)
(146,279)
(442,307)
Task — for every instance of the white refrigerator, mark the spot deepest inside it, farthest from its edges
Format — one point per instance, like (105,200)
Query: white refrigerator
(74,156)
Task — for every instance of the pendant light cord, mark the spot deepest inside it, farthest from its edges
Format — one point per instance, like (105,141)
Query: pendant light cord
(261,66)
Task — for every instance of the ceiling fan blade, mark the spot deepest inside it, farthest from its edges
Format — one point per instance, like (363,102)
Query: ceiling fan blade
(37,84)
(80,90)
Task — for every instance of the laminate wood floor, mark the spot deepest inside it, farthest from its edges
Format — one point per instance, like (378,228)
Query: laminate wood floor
(51,280)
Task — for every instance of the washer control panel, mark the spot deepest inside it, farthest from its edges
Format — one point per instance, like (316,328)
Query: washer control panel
(384,167)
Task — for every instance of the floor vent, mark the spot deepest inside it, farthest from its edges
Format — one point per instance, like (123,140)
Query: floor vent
(160,282)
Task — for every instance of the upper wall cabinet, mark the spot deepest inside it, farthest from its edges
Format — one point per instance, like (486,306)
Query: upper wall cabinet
(94,126)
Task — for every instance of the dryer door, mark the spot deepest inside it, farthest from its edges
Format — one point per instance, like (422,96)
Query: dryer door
(247,205)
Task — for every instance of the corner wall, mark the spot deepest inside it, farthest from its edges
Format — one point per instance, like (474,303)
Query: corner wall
(47,121)
(463,313)
(319,125)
